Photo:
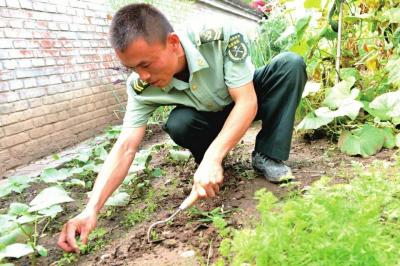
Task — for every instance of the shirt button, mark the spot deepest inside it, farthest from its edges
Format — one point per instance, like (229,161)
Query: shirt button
(194,87)
(200,62)
(209,105)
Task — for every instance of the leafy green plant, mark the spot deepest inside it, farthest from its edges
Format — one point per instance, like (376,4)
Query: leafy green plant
(208,216)
(14,184)
(19,227)
(331,224)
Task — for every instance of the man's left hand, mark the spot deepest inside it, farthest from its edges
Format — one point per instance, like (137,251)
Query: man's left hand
(208,178)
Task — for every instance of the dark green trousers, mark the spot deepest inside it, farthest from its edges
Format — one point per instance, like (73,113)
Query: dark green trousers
(279,86)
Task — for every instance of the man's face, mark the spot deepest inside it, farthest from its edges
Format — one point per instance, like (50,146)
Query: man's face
(156,63)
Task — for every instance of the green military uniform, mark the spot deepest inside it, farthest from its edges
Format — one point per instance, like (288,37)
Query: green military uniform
(218,60)
(211,73)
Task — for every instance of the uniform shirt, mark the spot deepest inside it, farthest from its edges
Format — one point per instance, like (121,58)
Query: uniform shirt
(218,58)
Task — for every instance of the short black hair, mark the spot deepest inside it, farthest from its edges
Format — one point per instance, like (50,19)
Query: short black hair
(138,20)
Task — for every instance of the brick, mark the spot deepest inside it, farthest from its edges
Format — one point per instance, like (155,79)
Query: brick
(35,102)
(16,117)
(8,97)
(61,8)
(79,4)
(60,107)
(40,131)
(64,124)
(18,127)
(29,25)
(25,44)
(15,84)
(26,4)
(5,43)
(54,117)
(10,64)
(7,75)
(63,138)
(29,83)
(2,3)
(40,111)
(32,93)
(39,121)
(24,63)
(54,79)
(42,16)
(28,73)
(23,53)
(38,62)
(50,61)
(13,107)
(14,140)
(46,7)
(63,26)
(4,86)
(79,12)
(16,23)
(3,24)
(12,4)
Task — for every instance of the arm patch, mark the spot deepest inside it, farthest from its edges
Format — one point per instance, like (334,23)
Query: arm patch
(237,49)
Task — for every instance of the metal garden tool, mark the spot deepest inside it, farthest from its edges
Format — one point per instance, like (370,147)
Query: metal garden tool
(189,201)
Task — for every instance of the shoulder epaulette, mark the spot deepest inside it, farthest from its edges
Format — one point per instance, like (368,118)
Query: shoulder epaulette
(211,34)
(139,85)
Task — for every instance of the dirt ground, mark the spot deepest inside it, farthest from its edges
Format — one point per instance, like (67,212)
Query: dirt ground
(187,240)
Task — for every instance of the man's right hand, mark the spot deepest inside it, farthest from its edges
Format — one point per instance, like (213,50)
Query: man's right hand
(82,225)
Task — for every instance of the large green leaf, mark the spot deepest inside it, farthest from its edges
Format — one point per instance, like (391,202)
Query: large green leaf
(51,211)
(311,87)
(312,3)
(398,140)
(101,153)
(381,114)
(341,93)
(310,121)
(16,235)
(387,104)
(390,139)
(14,184)
(17,208)
(300,48)
(301,26)
(347,73)
(350,109)
(177,155)
(16,250)
(393,67)
(52,175)
(392,15)
(141,161)
(118,199)
(366,141)
(7,223)
(48,197)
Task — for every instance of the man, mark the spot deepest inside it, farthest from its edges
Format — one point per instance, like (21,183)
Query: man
(218,93)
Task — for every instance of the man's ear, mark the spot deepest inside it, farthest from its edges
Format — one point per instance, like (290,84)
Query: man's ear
(173,40)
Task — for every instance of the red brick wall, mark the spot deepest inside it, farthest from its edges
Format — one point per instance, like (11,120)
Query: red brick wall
(55,82)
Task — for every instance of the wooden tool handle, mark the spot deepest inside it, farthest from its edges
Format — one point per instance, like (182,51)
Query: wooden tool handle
(190,200)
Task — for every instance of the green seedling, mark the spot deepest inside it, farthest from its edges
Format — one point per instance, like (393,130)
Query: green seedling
(208,217)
